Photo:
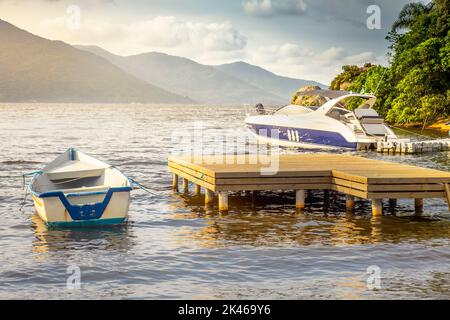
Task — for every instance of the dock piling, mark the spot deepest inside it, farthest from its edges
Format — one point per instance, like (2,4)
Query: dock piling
(392,203)
(198,189)
(300,199)
(185,185)
(209,196)
(447,194)
(349,202)
(326,200)
(418,205)
(175,182)
(223,201)
(377,207)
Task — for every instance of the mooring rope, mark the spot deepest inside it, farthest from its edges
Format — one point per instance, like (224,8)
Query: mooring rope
(33,173)
(24,201)
(142,187)
(25,196)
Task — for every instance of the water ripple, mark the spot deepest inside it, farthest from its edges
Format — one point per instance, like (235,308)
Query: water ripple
(174,247)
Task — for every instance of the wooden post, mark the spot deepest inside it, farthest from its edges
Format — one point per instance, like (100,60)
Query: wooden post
(377,207)
(447,193)
(223,201)
(326,200)
(185,185)
(392,203)
(197,189)
(418,205)
(254,196)
(349,202)
(326,196)
(300,199)
(175,182)
(209,196)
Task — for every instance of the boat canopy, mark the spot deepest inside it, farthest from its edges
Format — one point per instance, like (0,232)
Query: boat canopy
(326,107)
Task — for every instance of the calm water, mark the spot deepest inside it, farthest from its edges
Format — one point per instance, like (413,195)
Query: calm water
(172,248)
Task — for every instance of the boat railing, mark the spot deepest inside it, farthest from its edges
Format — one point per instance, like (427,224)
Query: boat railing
(258,110)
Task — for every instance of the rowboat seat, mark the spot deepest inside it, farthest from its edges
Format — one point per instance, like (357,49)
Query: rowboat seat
(75,169)
(100,188)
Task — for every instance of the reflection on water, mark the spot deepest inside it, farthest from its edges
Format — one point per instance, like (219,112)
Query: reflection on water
(262,222)
(111,238)
(175,247)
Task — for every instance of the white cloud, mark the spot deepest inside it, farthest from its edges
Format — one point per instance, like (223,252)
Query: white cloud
(360,58)
(297,61)
(90,31)
(159,33)
(209,43)
(168,31)
(330,55)
(217,36)
(286,54)
(272,7)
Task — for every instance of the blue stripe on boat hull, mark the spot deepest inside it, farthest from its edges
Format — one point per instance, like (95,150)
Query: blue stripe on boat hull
(86,223)
(310,136)
(84,212)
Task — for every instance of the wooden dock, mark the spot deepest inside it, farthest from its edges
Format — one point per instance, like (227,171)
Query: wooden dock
(350,175)
(416,147)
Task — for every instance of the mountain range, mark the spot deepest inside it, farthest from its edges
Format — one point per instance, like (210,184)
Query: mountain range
(37,69)
(33,68)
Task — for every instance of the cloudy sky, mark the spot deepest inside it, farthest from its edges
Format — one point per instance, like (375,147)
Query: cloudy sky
(309,39)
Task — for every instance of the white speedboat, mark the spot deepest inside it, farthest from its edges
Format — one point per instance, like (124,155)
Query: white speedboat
(328,126)
(78,190)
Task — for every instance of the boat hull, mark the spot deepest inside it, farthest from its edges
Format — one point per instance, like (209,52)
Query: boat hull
(292,144)
(301,137)
(89,209)
(311,130)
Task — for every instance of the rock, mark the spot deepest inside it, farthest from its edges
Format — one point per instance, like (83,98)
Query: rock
(443,125)
(307,100)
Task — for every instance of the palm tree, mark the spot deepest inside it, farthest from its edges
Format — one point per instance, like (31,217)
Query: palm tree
(410,13)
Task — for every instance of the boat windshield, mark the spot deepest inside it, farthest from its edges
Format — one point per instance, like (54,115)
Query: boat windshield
(338,112)
(294,109)
(348,104)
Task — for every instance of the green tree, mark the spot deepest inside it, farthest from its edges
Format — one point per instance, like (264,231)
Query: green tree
(409,14)
(348,76)
(415,88)
(376,80)
(421,62)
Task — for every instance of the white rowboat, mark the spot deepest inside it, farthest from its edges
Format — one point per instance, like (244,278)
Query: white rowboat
(78,190)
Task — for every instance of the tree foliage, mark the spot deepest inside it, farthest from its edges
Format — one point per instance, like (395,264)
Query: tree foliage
(348,76)
(415,88)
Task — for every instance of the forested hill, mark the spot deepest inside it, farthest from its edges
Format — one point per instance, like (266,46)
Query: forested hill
(415,87)
(33,68)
